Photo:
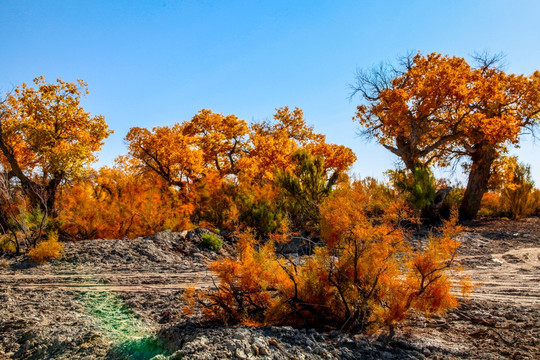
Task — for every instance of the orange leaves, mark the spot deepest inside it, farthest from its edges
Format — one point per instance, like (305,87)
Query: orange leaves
(247,283)
(269,153)
(437,109)
(118,203)
(427,278)
(439,102)
(217,160)
(411,104)
(222,139)
(167,152)
(46,128)
(366,274)
(336,157)
(274,143)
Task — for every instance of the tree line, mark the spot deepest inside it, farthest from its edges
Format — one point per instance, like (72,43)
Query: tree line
(261,183)
(429,110)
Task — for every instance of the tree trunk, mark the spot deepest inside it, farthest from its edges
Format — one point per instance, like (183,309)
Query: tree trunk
(407,153)
(51,192)
(482,159)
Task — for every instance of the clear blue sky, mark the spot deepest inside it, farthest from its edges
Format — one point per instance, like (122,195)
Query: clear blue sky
(150,63)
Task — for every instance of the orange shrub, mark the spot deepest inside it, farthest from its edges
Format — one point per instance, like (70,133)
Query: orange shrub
(365,276)
(491,205)
(118,203)
(46,250)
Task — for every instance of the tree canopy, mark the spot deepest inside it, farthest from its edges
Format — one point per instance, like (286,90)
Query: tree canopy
(435,108)
(46,137)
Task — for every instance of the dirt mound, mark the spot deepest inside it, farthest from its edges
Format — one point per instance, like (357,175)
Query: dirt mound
(285,343)
(165,247)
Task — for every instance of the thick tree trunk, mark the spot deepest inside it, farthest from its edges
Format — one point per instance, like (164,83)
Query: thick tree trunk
(482,159)
(407,153)
(51,194)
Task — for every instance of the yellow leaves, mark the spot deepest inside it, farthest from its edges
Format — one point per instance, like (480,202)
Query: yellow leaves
(440,103)
(366,274)
(46,250)
(47,128)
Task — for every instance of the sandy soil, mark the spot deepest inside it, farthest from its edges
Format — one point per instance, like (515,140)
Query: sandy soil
(122,299)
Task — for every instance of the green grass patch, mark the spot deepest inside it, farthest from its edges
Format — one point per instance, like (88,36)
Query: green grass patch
(212,241)
(131,338)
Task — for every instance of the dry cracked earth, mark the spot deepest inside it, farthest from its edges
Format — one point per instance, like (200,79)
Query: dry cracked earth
(122,299)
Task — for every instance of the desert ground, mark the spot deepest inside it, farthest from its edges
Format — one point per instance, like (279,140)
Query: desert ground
(122,299)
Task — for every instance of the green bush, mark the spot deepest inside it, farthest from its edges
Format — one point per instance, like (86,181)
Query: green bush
(419,186)
(305,189)
(212,241)
(263,216)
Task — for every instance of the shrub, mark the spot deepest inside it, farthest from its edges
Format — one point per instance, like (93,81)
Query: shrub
(304,189)
(418,185)
(518,194)
(492,205)
(261,209)
(7,244)
(46,250)
(365,276)
(211,241)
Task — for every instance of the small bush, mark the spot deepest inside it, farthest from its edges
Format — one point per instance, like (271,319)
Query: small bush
(7,244)
(46,250)
(418,185)
(212,241)
(492,206)
(518,194)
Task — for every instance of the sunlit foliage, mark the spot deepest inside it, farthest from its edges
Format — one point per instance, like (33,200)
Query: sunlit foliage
(118,203)
(46,137)
(227,170)
(366,275)
(435,109)
(46,250)
(512,191)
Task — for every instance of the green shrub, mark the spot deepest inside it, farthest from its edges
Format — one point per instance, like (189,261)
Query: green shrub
(212,241)
(264,216)
(305,189)
(419,186)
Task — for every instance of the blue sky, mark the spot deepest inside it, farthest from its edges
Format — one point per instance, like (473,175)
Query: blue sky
(152,63)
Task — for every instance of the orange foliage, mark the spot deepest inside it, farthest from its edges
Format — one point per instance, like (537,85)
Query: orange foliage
(117,203)
(438,109)
(46,250)
(222,139)
(226,169)
(273,146)
(414,115)
(214,200)
(440,103)
(365,276)
(167,152)
(491,205)
(46,137)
